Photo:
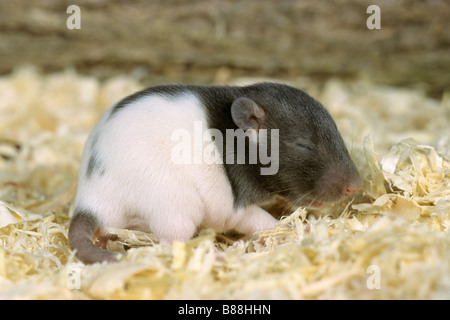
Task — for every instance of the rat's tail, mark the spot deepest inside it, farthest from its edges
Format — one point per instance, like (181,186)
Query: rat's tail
(81,230)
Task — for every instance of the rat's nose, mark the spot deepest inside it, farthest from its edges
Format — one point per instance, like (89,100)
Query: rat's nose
(351,187)
(338,182)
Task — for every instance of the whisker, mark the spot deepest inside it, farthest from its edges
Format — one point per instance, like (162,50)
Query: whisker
(299,200)
(293,205)
(313,200)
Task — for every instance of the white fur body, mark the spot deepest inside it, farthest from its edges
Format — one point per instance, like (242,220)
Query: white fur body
(137,185)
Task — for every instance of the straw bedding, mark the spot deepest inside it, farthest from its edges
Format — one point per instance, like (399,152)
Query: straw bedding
(391,240)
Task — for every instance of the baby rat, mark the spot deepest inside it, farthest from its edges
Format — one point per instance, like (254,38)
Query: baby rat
(167,160)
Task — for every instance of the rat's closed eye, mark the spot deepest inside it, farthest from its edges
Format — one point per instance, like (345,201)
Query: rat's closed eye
(304,145)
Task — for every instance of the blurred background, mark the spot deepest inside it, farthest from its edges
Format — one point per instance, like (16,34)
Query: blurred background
(211,41)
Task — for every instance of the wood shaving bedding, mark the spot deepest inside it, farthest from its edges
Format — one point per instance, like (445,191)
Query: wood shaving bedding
(390,241)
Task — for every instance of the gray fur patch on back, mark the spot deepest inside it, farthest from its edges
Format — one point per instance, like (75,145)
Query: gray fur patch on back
(162,90)
(95,166)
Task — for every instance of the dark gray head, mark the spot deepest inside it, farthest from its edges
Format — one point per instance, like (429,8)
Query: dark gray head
(314,164)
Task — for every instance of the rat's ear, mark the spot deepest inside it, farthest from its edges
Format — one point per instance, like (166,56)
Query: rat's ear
(247,114)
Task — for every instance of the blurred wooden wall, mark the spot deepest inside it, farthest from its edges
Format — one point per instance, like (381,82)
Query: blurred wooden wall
(209,41)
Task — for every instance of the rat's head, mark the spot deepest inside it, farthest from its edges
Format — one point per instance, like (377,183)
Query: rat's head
(314,164)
